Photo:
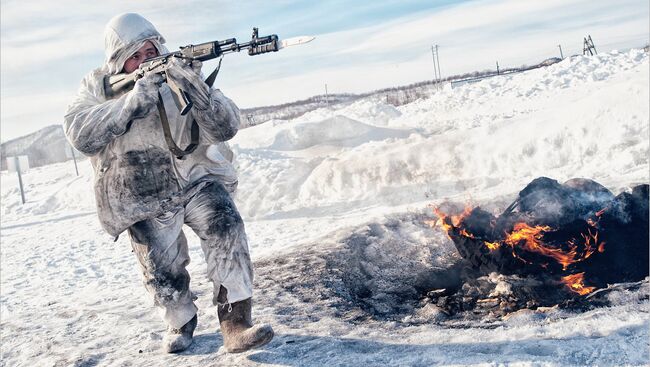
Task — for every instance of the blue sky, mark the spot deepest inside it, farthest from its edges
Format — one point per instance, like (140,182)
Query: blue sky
(47,47)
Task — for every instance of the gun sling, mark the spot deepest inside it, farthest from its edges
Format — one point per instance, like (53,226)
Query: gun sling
(194,134)
(178,152)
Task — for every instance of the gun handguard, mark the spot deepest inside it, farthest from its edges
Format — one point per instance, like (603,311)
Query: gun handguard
(264,48)
(116,84)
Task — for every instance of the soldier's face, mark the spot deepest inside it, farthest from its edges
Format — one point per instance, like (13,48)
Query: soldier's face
(147,51)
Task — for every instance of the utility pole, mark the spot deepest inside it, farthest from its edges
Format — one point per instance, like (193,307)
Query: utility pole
(435,70)
(435,56)
(438,63)
(561,54)
(20,179)
(327,103)
(588,46)
(592,45)
(74,159)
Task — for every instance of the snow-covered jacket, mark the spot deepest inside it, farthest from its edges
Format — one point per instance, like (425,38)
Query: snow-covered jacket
(136,176)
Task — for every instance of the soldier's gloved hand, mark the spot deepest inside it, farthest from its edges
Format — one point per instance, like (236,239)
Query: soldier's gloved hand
(188,78)
(144,96)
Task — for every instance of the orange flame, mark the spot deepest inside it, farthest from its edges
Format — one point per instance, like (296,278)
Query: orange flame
(591,243)
(492,245)
(463,232)
(530,238)
(576,283)
(532,241)
(448,222)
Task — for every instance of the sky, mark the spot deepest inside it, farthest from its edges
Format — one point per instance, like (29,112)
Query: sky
(47,47)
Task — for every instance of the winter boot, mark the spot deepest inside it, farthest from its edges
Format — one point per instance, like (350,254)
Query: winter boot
(177,340)
(239,334)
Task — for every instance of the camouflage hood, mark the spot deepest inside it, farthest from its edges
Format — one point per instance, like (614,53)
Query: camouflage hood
(124,35)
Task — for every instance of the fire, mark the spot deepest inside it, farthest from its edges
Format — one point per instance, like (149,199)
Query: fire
(455,219)
(531,239)
(463,232)
(591,243)
(448,222)
(576,283)
(492,245)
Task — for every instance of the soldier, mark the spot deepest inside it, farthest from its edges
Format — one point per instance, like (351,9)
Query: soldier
(141,187)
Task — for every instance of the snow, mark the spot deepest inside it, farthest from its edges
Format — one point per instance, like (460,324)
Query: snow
(335,202)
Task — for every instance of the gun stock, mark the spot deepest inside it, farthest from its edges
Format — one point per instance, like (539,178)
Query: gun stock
(115,84)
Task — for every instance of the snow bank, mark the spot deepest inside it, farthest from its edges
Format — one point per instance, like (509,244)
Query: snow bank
(582,117)
(339,131)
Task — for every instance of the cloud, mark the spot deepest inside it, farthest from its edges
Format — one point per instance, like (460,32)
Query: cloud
(21,116)
(471,36)
(48,46)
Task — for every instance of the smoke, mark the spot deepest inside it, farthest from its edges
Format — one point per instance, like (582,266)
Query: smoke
(547,201)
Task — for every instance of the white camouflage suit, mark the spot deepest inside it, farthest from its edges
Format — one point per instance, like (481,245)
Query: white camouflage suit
(140,186)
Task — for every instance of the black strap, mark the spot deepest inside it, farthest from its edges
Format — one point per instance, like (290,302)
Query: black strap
(194,140)
(213,75)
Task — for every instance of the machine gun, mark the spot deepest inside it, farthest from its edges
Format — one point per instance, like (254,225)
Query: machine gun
(116,84)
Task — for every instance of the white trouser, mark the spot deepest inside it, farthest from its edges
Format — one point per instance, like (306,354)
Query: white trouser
(161,248)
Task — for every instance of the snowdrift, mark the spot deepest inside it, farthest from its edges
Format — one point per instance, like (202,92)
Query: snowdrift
(490,137)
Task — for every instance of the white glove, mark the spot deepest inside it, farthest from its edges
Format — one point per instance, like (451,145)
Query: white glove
(188,78)
(143,98)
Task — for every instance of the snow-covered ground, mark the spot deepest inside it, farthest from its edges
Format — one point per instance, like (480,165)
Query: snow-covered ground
(337,199)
